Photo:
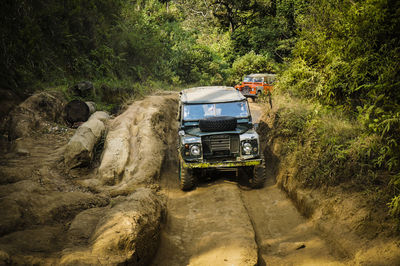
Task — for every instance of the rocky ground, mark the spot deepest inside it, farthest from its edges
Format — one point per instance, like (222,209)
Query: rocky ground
(124,205)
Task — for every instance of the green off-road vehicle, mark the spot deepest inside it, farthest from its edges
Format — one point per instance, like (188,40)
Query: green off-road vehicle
(216,133)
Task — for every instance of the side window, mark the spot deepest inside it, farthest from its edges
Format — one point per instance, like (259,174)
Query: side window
(271,80)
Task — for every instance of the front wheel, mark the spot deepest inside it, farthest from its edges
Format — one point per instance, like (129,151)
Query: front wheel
(259,177)
(186,178)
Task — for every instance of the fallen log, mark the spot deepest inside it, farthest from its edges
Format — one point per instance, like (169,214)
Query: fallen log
(79,150)
(76,111)
(92,107)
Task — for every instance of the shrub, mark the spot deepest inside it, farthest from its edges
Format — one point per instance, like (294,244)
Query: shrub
(250,63)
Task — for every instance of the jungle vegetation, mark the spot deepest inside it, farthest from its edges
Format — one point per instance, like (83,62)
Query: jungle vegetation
(343,56)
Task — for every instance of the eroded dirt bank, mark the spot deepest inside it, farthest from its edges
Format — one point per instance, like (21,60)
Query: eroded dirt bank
(344,218)
(92,215)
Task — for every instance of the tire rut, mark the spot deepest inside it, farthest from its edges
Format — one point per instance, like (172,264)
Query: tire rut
(206,226)
(260,260)
(283,236)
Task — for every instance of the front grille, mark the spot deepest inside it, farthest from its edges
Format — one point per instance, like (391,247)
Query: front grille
(217,146)
(246,90)
(220,143)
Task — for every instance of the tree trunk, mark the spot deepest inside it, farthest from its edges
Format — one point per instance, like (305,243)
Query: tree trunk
(76,111)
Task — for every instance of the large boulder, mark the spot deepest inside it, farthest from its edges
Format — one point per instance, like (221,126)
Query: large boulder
(79,150)
(35,113)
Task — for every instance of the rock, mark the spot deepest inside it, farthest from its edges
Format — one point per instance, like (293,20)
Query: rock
(34,113)
(286,248)
(83,89)
(79,150)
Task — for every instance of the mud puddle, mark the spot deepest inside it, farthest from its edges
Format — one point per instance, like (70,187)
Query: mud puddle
(224,223)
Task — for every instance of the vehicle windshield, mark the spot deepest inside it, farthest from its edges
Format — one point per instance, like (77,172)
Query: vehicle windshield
(258,80)
(201,111)
(248,79)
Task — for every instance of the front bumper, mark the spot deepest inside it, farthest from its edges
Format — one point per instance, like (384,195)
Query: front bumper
(225,164)
(249,95)
(248,92)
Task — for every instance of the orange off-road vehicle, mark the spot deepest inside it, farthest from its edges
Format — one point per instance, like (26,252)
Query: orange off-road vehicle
(254,85)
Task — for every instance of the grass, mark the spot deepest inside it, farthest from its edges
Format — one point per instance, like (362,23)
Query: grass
(327,149)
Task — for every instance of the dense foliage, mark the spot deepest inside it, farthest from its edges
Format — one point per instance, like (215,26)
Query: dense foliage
(177,42)
(46,40)
(347,57)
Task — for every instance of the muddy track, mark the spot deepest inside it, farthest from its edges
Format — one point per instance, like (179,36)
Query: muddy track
(111,214)
(224,223)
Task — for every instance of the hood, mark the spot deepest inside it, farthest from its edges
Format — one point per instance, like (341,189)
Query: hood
(240,129)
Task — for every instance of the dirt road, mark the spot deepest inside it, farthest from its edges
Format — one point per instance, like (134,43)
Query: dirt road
(111,211)
(223,223)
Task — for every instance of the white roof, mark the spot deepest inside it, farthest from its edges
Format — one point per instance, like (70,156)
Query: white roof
(211,94)
(260,75)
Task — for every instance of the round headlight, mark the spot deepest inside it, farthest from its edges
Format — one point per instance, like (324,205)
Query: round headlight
(247,148)
(195,150)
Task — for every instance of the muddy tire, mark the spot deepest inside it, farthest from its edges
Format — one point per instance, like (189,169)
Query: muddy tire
(186,178)
(259,177)
(218,123)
